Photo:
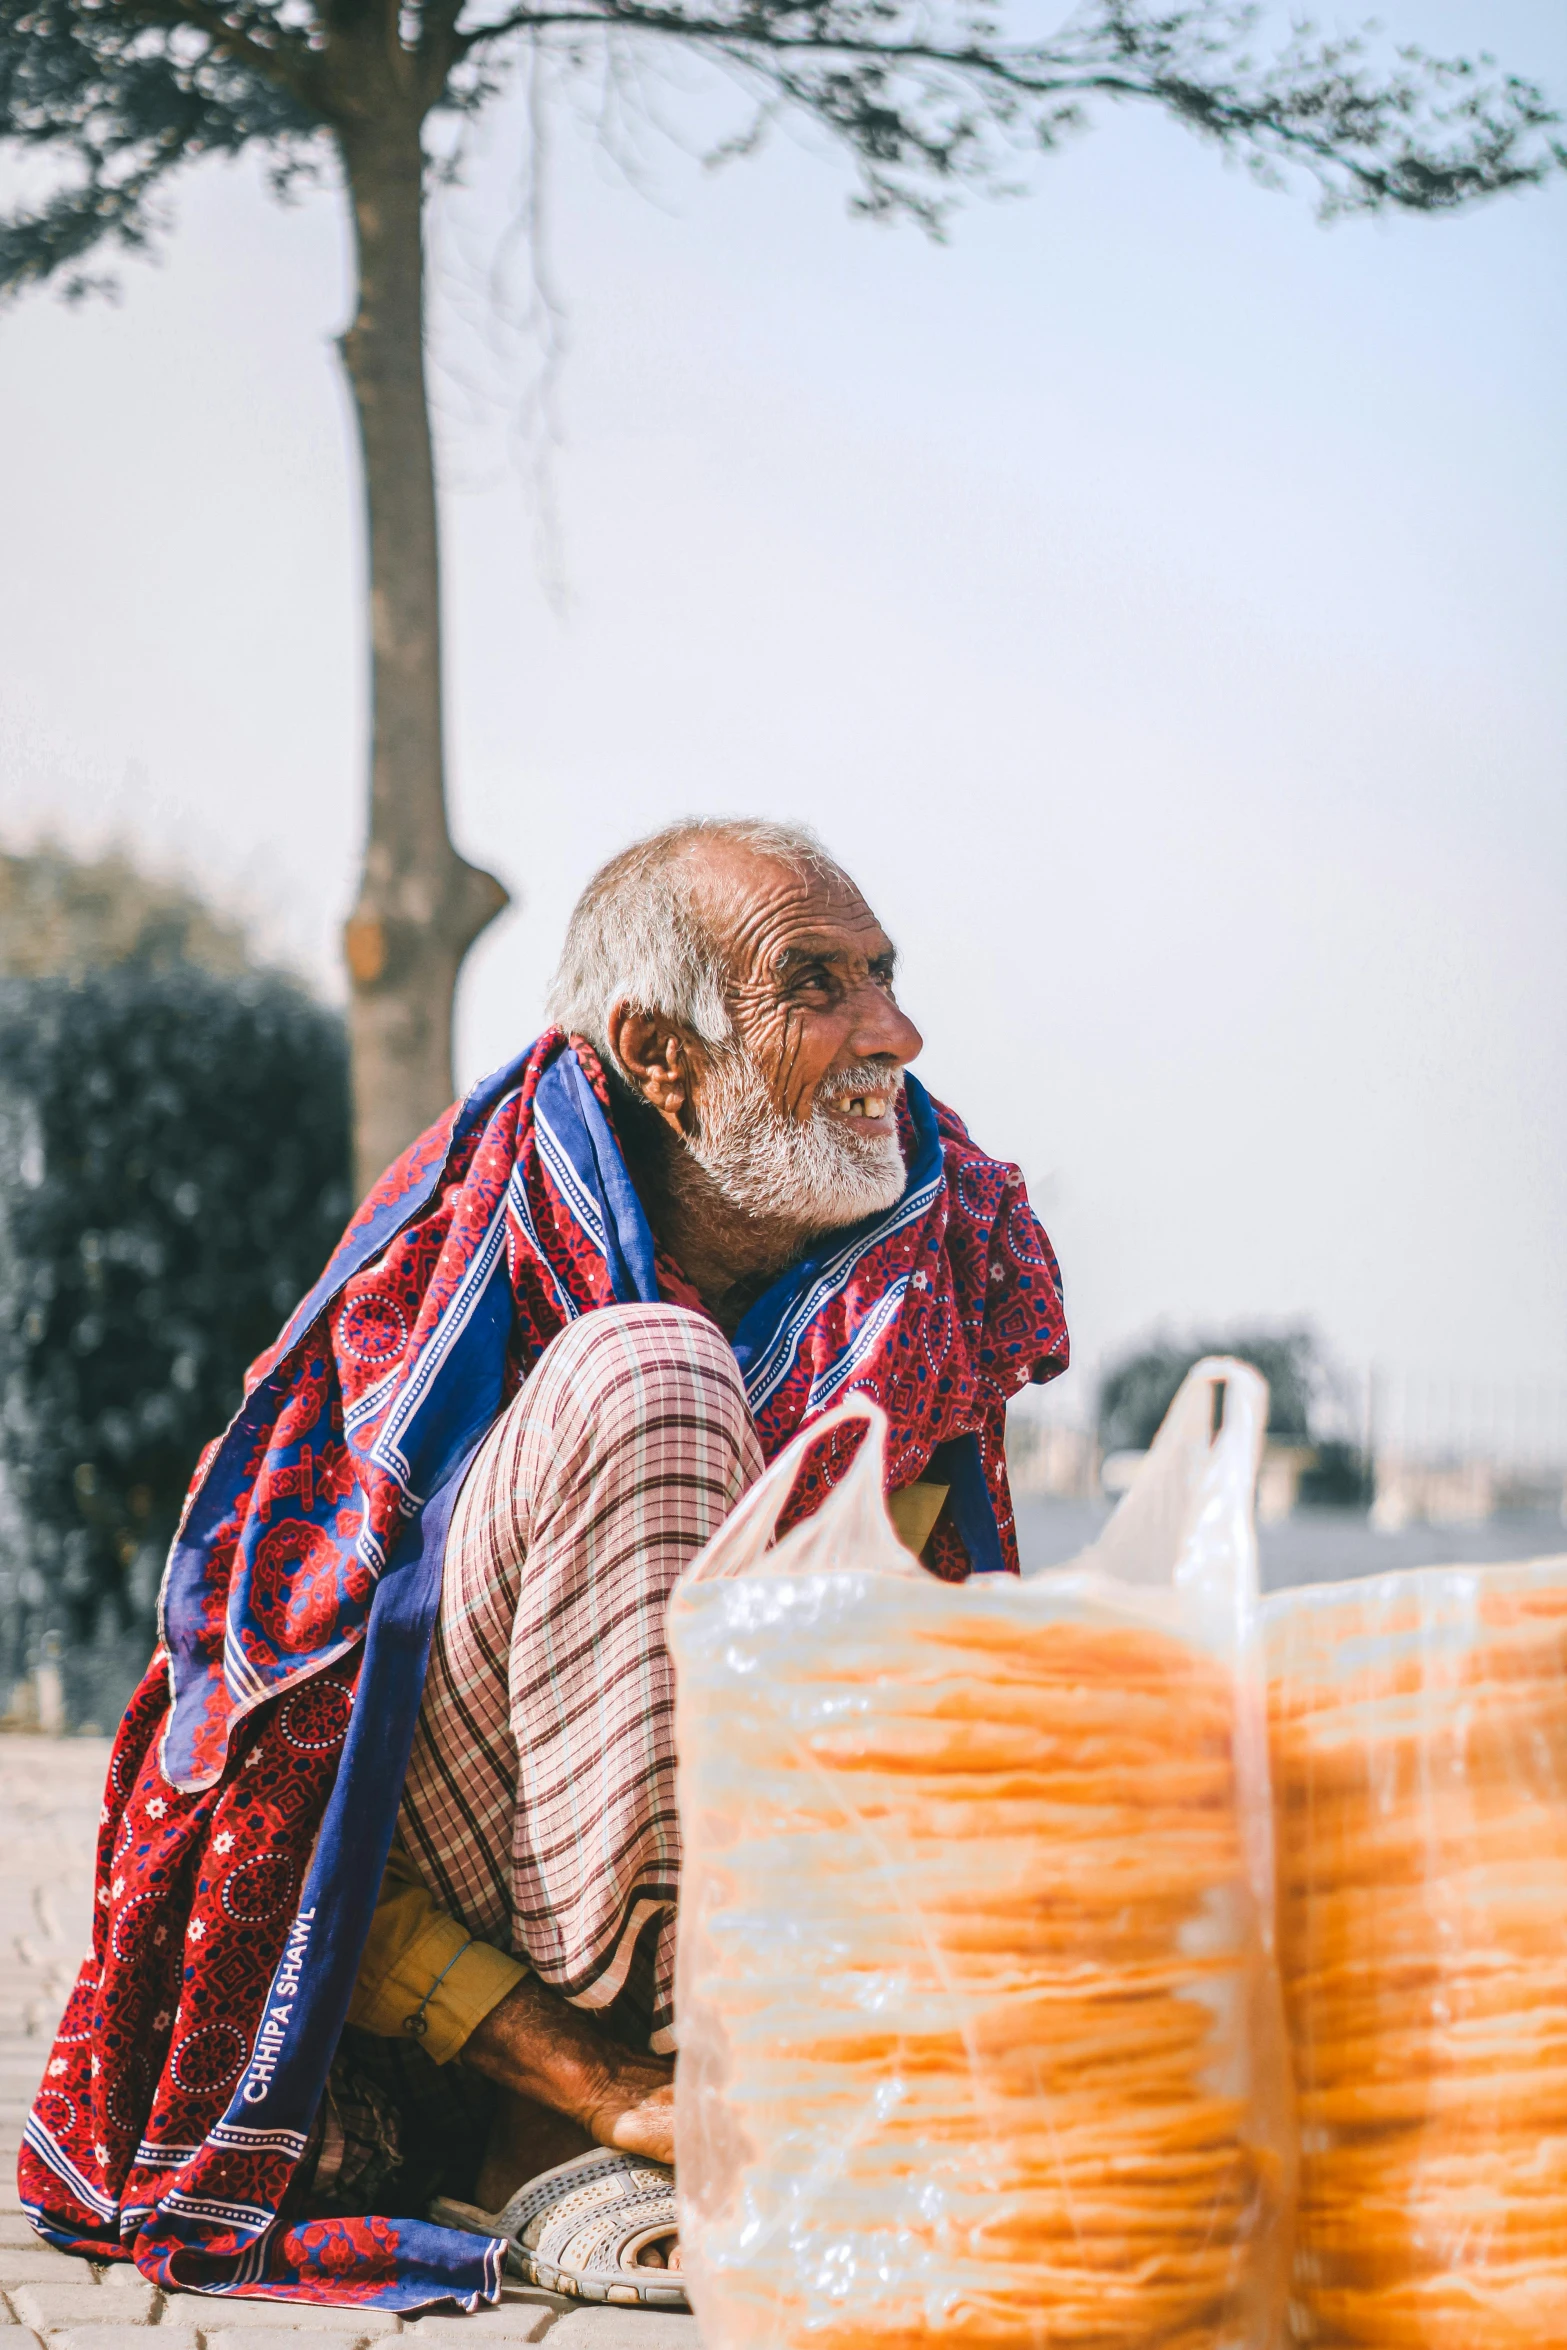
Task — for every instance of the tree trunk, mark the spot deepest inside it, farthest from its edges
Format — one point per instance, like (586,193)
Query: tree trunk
(420,905)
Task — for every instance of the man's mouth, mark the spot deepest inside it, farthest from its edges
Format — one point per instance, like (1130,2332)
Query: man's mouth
(863,1096)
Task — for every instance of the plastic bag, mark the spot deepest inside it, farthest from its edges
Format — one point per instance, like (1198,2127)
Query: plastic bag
(1419,1727)
(979,2036)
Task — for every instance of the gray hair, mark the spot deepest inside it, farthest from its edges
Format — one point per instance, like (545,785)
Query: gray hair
(641,935)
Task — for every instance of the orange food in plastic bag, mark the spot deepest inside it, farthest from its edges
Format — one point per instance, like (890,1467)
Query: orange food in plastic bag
(1419,1734)
(978,2031)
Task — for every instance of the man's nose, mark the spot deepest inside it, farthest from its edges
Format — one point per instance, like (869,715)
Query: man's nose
(881,1031)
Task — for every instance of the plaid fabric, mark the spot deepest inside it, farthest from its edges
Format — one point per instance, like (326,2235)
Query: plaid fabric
(539,1802)
(394,2129)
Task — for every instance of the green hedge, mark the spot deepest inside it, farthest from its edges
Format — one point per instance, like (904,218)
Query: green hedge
(174,1153)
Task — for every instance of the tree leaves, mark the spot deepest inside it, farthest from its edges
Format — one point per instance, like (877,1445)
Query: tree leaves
(924,100)
(123,103)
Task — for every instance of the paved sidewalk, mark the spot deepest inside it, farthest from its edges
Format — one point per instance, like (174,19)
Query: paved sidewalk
(49,1795)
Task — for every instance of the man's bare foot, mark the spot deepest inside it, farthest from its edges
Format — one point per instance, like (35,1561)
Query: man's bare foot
(645,2127)
(552,2054)
(525,2138)
(568,2086)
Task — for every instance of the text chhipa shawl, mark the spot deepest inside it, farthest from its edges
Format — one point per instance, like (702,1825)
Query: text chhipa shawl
(254,1785)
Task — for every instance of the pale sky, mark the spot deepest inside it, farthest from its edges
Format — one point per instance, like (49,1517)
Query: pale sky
(1157,601)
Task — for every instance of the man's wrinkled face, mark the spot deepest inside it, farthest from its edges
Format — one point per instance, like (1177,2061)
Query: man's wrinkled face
(797,1116)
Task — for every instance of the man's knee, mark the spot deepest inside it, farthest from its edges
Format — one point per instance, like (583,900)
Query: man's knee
(625,1399)
(634,1358)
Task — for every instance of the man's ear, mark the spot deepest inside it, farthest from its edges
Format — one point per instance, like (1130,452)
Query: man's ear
(655,1061)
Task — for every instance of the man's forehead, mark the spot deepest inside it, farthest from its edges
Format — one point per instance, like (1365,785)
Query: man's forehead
(831,942)
(771,914)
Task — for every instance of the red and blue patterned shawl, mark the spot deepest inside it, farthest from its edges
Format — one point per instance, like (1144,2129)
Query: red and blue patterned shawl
(254,1785)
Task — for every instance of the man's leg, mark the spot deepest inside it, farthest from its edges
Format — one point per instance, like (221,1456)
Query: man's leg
(539,1802)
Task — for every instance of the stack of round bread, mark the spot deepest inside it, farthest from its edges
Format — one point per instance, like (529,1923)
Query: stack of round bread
(969,1977)
(1420,1776)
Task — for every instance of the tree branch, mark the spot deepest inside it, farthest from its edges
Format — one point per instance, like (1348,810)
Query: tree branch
(440,48)
(923,95)
(1427,136)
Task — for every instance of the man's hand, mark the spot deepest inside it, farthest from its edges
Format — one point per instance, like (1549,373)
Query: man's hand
(540,2047)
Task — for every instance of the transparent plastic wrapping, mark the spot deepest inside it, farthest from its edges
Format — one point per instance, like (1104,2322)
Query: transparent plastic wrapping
(980,2041)
(1419,1731)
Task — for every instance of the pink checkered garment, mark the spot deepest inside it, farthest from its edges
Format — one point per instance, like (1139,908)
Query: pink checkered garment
(540,1798)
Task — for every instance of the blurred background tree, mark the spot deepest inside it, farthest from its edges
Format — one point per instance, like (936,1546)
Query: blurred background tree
(1303,1401)
(123,94)
(174,1171)
(61,915)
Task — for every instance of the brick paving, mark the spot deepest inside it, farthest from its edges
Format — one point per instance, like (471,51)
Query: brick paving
(49,1795)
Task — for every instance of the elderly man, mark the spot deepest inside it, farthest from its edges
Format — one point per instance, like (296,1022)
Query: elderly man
(404,1756)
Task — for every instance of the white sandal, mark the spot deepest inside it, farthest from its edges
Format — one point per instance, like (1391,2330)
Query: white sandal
(578,2229)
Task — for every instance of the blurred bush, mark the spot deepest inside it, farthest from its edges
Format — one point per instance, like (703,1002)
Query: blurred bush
(174,1151)
(1338,1477)
(1136,1392)
(62,915)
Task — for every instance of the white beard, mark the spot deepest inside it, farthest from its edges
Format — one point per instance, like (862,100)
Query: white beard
(818,1174)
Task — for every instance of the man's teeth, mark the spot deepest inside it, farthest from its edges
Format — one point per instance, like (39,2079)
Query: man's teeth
(866,1105)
